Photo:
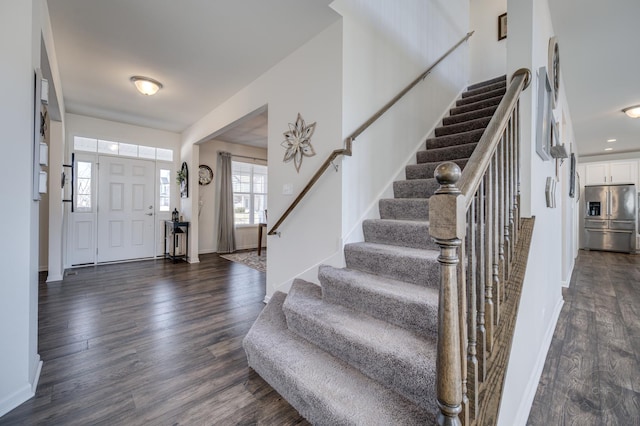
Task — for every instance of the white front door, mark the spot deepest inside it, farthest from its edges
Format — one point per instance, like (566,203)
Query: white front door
(126,209)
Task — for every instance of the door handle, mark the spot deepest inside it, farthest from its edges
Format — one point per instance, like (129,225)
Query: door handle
(149,214)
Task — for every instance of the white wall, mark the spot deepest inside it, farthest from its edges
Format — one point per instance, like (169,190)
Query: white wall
(488,54)
(308,82)
(246,236)
(386,46)
(529,31)
(20,23)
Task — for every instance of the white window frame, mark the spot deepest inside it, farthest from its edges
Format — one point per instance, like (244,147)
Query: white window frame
(253,221)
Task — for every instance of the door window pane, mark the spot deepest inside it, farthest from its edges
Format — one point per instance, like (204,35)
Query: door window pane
(83,186)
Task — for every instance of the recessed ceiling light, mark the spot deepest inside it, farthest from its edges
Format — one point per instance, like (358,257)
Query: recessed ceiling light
(632,111)
(611,140)
(608,149)
(145,85)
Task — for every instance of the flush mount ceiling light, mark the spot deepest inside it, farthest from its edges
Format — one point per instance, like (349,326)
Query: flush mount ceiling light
(632,111)
(145,85)
(611,140)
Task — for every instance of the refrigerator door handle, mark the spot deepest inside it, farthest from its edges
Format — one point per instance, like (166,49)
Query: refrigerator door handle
(608,203)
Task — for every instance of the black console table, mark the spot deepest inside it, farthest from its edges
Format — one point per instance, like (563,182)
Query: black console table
(172,231)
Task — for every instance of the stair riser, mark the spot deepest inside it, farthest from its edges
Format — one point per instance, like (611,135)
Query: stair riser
(426,170)
(480,97)
(446,154)
(484,89)
(501,79)
(417,317)
(408,209)
(408,269)
(454,140)
(466,126)
(416,188)
(401,234)
(472,115)
(474,106)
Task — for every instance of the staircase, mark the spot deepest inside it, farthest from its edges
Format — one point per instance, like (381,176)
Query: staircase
(361,349)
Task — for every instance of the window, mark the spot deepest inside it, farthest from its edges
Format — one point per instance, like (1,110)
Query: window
(122,149)
(83,189)
(165,190)
(249,192)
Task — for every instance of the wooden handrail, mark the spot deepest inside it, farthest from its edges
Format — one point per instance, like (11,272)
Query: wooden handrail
(349,140)
(466,330)
(479,160)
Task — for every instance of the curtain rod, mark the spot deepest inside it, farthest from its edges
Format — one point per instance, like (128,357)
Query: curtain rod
(251,158)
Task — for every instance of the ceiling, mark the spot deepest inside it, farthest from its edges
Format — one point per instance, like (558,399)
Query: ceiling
(599,62)
(204,51)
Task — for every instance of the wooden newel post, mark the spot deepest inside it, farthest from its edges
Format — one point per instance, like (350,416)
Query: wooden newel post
(447,226)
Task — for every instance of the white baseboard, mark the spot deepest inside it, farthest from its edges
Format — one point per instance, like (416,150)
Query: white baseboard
(522,415)
(23,394)
(54,278)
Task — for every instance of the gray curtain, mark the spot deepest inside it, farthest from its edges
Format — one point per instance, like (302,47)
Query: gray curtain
(226,227)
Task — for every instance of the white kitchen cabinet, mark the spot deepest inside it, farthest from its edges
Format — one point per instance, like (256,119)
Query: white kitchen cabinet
(611,172)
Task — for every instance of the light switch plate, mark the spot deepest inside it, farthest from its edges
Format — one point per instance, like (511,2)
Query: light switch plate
(287,189)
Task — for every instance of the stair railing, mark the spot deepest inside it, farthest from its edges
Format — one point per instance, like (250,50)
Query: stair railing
(351,138)
(475,216)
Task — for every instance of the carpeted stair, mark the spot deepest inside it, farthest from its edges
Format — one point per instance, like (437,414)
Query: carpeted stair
(361,348)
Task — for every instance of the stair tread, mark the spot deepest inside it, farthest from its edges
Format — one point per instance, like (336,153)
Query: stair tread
(404,233)
(381,350)
(488,82)
(413,265)
(408,305)
(324,389)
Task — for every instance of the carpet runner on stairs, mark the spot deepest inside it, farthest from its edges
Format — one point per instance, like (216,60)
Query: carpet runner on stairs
(361,347)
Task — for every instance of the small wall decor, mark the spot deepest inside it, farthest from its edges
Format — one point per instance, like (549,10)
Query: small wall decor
(550,192)
(553,68)
(572,176)
(298,142)
(182,177)
(502,26)
(545,116)
(205,175)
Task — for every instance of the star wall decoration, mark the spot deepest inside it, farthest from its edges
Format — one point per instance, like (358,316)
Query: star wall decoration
(298,142)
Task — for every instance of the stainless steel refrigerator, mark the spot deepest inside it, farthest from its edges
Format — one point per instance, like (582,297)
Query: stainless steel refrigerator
(610,217)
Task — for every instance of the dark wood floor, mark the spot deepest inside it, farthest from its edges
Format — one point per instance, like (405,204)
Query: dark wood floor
(151,343)
(592,371)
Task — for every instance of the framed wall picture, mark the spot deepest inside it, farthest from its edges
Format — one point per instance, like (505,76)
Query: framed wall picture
(502,26)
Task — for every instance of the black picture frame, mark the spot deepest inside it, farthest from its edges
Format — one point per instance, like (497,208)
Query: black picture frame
(572,175)
(502,26)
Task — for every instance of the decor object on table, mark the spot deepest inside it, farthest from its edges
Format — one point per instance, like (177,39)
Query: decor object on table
(545,116)
(502,26)
(205,175)
(553,68)
(175,216)
(298,142)
(182,177)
